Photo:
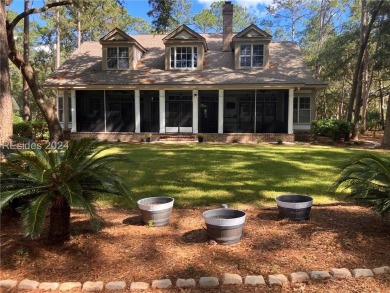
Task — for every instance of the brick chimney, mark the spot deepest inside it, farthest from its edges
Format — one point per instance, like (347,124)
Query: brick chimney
(227,13)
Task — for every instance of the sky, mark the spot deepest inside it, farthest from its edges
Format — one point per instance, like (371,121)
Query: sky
(139,8)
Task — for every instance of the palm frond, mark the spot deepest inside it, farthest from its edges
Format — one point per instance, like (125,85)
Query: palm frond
(33,216)
(367,178)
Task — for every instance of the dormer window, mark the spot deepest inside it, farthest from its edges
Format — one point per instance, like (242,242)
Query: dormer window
(118,58)
(184,49)
(120,51)
(251,55)
(251,48)
(184,57)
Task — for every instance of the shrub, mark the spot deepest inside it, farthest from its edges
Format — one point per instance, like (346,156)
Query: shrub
(368,180)
(40,129)
(31,129)
(337,129)
(23,129)
(54,180)
(373,120)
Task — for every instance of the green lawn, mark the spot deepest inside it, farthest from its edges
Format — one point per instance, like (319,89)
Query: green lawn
(206,174)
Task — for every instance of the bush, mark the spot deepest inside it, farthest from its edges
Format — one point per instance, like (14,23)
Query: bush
(367,179)
(373,120)
(35,129)
(40,129)
(337,129)
(23,129)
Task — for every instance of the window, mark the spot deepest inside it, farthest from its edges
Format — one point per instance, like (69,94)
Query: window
(118,58)
(184,57)
(251,55)
(302,113)
(60,109)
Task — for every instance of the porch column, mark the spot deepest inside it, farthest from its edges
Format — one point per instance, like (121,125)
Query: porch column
(195,115)
(137,111)
(162,110)
(66,110)
(290,111)
(220,111)
(73,105)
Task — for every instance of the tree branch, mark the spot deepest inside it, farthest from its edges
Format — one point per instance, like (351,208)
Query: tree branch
(22,15)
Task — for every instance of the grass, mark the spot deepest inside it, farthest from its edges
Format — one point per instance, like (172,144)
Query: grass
(209,175)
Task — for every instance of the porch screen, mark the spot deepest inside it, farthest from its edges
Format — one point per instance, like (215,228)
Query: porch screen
(120,111)
(90,111)
(239,111)
(260,111)
(150,114)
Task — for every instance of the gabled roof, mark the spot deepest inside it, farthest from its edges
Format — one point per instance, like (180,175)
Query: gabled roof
(118,36)
(185,34)
(253,32)
(84,68)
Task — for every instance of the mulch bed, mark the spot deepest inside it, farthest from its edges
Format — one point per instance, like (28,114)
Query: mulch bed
(337,236)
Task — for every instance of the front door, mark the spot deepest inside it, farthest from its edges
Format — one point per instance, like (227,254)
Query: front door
(208,116)
(178,113)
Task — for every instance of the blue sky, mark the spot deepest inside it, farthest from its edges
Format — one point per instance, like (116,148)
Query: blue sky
(139,8)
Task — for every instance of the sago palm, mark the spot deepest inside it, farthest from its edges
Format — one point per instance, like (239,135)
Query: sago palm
(53,181)
(367,178)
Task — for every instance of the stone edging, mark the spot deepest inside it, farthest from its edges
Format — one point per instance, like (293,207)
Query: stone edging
(204,282)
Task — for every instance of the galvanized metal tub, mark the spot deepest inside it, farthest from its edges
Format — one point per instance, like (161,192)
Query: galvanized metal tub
(156,211)
(294,206)
(225,225)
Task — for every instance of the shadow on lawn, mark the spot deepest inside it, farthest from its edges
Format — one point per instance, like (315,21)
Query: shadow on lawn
(215,174)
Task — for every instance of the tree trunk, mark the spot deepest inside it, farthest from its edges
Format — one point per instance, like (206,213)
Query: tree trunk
(59,226)
(6,114)
(26,53)
(364,36)
(381,104)
(356,92)
(45,104)
(78,30)
(386,136)
(58,43)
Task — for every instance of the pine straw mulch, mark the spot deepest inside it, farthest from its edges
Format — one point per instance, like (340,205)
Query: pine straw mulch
(336,236)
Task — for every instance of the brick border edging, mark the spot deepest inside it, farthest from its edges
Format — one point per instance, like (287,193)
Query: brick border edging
(204,282)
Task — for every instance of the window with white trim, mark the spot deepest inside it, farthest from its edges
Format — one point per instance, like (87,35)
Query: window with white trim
(60,109)
(118,58)
(302,110)
(251,55)
(184,57)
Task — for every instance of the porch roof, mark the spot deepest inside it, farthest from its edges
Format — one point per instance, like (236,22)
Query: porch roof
(84,68)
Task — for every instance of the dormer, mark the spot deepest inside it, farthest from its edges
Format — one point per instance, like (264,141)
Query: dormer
(120,51)
(251,48)
(184,49)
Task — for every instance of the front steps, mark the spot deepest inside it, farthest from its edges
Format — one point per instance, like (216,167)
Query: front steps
(185,138)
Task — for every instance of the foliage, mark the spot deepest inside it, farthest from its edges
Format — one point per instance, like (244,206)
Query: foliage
(161,12)
(31,129)
(241,16)
(288,14)
(205,21)
(374,120)
(76,174)
(23,129)
(40,130)
(337,129)
(368,180)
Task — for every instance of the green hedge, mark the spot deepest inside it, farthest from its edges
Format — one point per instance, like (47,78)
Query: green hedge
(337,129)
(31,129)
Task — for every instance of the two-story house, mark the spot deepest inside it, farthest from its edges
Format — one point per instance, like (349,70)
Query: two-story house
(185,82)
